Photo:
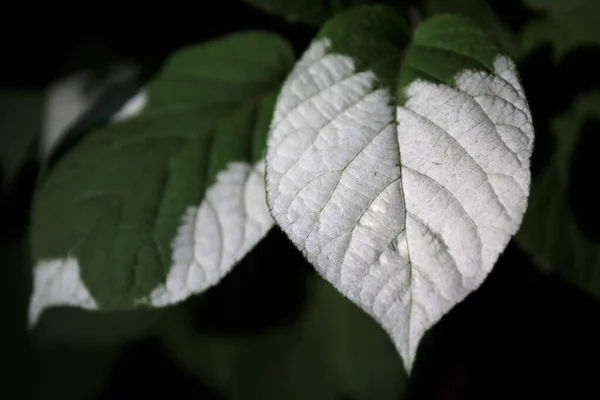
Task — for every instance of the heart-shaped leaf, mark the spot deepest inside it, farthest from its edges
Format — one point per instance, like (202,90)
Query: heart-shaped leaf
(401,190)
(161,203)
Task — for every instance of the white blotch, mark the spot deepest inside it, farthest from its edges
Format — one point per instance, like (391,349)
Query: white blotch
(57,282)
(405,210)
(212,238)
(132,108)
(70,98)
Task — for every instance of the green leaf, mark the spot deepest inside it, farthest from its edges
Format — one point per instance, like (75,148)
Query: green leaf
(163,201)
(73,351)
(480,11)
(402,191)
(550,232)
(71,372)
(565,24)
(311,12)
(333,351)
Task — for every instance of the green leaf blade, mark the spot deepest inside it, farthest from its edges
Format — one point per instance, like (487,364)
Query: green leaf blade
(565,25)
(483,13)
(445,45)
(550,233)
(108,221)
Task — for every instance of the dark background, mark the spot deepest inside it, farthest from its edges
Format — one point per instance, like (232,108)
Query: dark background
(523,334)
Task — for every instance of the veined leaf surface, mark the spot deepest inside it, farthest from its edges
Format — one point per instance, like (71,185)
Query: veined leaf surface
(402,189)
(163,201)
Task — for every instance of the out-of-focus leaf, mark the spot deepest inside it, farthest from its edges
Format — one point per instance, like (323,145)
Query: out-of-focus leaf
(74,351)
(78,327)
(144,369)
(566,24)
(72,98)
(333,350)
(70,372)
(549,231)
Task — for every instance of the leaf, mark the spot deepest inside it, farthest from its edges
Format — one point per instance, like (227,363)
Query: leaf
(550,232)
(71,372)
(333,350)
(74,353)
(401,191)
(70,99)
(482,12)
(565,25)
(310,12)
(157,206)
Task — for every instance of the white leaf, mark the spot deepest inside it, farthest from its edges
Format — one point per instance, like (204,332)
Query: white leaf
(404,209)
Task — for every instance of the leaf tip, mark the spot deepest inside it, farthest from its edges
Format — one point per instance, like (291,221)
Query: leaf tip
(58,282)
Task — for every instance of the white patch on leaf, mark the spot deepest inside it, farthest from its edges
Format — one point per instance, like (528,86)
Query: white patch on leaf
(57,282)
(132,108)
(212,238)
(405,210)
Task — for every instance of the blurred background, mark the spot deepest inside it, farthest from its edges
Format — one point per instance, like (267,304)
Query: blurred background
(272,329)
